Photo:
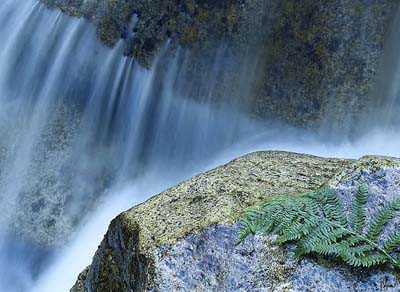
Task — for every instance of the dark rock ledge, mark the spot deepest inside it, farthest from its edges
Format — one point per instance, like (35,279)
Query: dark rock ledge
(312,60)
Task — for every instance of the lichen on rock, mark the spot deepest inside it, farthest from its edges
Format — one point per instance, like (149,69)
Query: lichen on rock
(185,239)
(217,197)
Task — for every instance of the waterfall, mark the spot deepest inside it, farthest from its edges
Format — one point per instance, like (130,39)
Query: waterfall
(86,133)
(386,94)
(77,120)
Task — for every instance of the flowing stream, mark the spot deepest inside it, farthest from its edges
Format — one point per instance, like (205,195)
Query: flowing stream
(86,133)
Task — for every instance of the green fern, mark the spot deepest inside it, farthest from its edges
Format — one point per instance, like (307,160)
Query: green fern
(318,223)
(357,215)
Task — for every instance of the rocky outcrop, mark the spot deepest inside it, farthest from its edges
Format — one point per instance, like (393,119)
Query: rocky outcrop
(185,238)
(145,25)
(323,58)
(311,60)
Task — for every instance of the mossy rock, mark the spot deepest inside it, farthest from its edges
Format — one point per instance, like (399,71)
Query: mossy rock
(185,238)
(216,197)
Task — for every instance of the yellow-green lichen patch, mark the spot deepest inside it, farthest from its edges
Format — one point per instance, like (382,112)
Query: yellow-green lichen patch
(367,163)
(219,196)
(179,225)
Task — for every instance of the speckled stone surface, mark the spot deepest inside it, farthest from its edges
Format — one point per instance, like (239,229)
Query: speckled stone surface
(311,276)
(383,179)
(211,260)
(185,238)
(220,195)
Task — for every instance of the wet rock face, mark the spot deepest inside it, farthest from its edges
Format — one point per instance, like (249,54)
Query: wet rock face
(323,59)
(312,276)
(211,260)
(216,197)
(127,271)
(162,245)
(193,23)
(313,60)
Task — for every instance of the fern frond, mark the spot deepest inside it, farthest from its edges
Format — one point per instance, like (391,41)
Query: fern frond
(333,208)
(306,244)
(249,224)
(327,249)
(381,218)
(360,250)
(360,261)
(318,223)
(294,231)
(392,242)
(357,215)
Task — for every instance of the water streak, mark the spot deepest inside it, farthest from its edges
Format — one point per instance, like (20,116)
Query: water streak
(78,120)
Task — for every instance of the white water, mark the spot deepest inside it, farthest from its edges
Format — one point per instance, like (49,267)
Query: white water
(85,135)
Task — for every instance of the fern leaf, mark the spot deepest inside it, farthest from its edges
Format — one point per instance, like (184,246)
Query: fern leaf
(392,243)
(318,222)
(357,215)
(246,228)
(327,249)
(372,260)
(363,261)
(310,223)
(333,208)
(248,224)
(306,244)
(360,250)
(286,221)
(380,219)
(293,232)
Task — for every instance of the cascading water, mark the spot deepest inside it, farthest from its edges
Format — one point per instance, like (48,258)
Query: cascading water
(79,119)
(386,95)
(86,133)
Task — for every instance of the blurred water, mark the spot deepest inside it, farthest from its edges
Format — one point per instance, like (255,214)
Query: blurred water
(78,120)
(86,133)
(385,108)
